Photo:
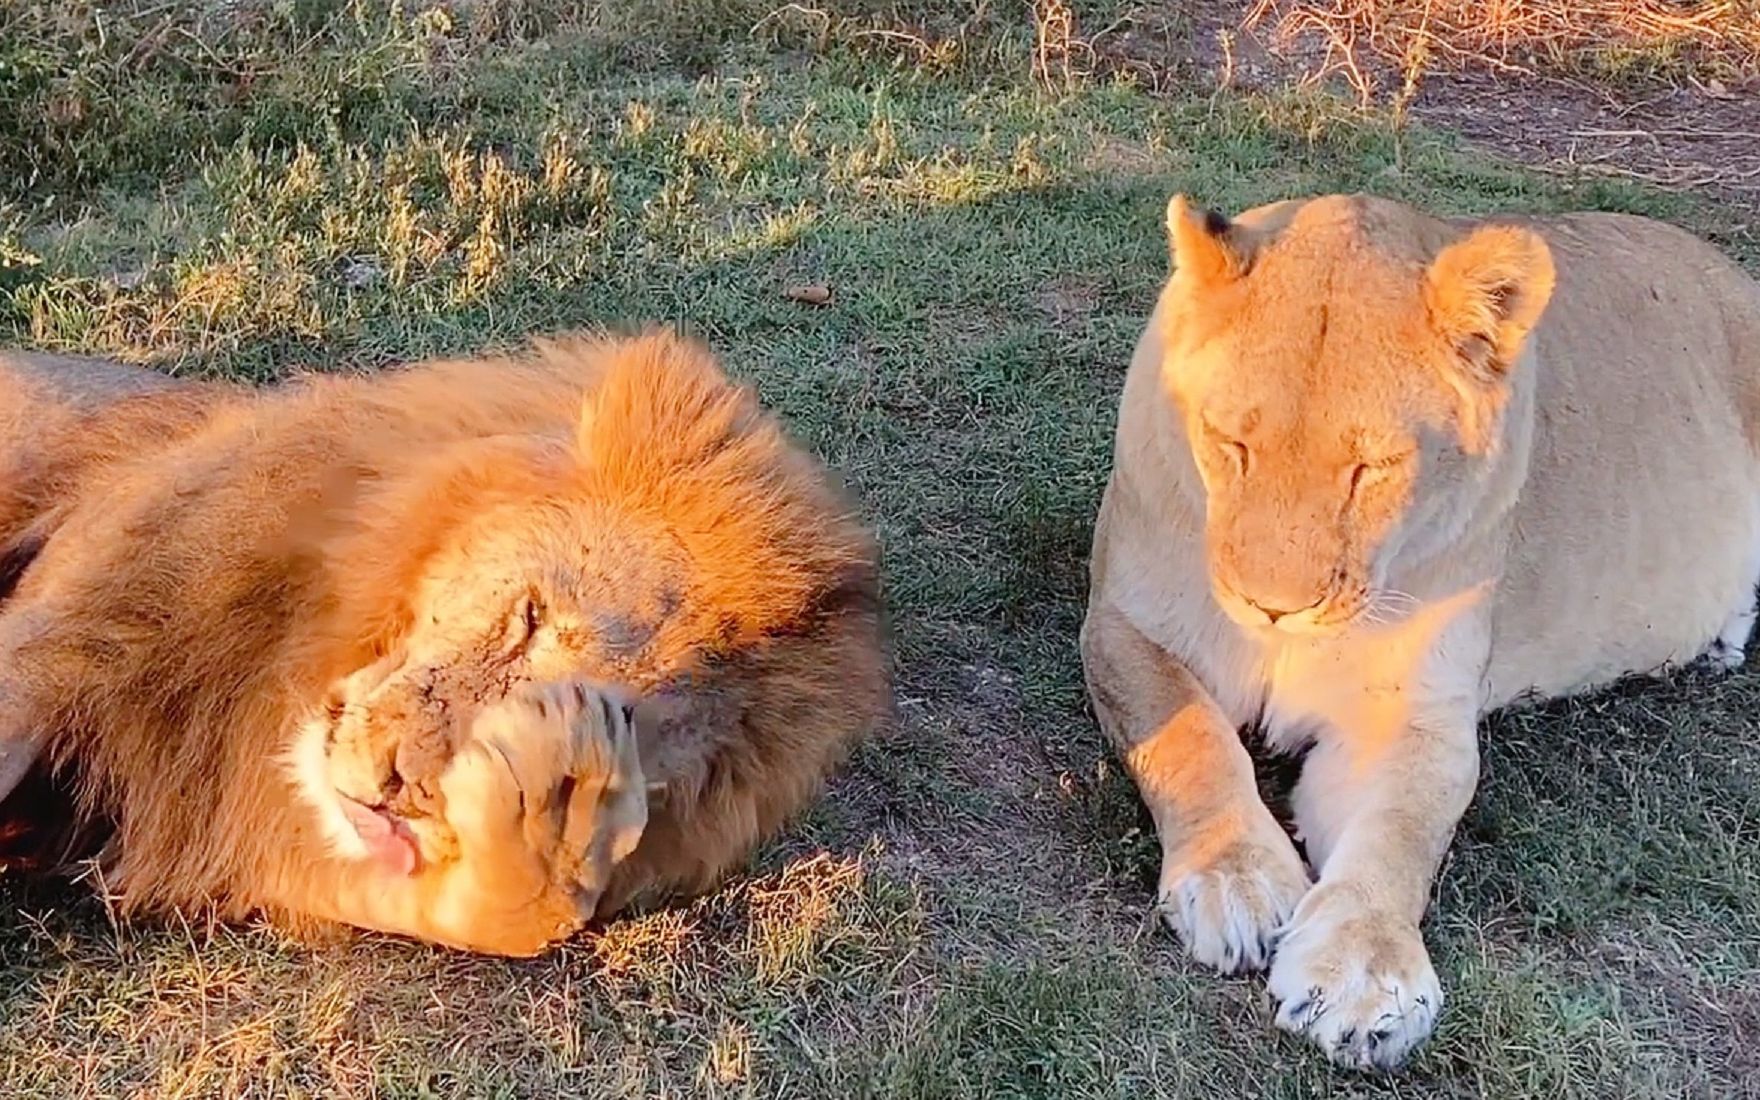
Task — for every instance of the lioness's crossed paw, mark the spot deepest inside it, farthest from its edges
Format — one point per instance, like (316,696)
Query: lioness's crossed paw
(1227,908)
(1356,981)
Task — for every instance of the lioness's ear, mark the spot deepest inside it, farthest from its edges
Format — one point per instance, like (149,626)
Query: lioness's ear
(1203,244)
(1486,292)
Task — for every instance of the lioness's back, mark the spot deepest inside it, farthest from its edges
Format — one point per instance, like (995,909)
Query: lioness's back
(37,389)
(1638,285)
(1648,412)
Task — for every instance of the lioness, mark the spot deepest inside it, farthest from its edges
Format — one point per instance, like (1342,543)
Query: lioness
(1376,474)
(471,652)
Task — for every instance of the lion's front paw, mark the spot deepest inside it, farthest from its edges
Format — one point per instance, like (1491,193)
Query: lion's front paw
(1226,904)
(545,794)
(1355,980)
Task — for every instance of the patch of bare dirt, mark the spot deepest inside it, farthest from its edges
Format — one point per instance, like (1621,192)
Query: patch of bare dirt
(1721,1018)
(1696,135)
(1681,138)
(1069,299)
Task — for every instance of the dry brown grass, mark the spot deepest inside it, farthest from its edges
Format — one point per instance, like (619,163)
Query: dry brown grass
(1366,40)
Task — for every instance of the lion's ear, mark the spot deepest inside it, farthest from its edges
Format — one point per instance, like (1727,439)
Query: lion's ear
(1485,294)
(1205,245)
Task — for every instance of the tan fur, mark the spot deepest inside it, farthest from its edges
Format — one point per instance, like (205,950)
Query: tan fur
(1376,474)
(61,422)
(249,608)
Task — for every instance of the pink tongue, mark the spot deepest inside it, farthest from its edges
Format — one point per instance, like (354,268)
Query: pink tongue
(389,844)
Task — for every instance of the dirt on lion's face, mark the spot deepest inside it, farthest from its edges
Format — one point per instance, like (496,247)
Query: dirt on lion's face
(596,609)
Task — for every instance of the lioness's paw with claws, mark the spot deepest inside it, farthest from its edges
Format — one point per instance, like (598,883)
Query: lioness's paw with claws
(1227,904)
(1355,980)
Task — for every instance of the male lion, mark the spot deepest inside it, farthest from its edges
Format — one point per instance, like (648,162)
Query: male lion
(471,652)
(1378,473)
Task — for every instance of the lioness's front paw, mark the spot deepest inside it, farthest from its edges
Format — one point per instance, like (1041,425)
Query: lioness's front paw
(1226,905)
(1354,979)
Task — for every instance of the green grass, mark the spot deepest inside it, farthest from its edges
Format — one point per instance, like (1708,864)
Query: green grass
(965,914)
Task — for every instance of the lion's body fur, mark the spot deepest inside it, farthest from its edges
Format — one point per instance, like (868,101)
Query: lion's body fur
(222,557)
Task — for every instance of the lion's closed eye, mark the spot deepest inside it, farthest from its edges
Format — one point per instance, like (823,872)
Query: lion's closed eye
(523,623)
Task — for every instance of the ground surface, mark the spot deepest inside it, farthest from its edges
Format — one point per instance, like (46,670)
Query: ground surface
(1650,112)
(302,184)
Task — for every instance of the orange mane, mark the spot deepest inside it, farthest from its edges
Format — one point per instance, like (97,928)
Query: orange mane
(214,568)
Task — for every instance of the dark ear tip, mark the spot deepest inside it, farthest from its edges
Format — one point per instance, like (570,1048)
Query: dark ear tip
(1215,224)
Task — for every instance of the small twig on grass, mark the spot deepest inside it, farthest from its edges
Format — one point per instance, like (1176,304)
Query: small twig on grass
(1710,134)
(1679,180)
(823,16)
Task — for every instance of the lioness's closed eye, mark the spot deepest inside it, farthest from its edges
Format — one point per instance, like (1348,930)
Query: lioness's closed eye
(1377,473)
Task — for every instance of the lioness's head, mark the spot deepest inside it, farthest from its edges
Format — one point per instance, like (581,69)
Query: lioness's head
(1341,367)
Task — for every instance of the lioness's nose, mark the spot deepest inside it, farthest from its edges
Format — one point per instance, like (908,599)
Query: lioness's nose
(1275,614)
